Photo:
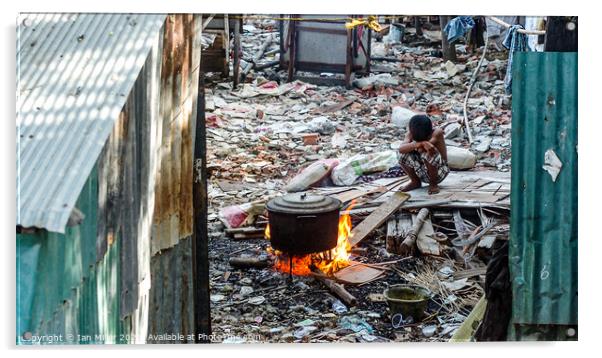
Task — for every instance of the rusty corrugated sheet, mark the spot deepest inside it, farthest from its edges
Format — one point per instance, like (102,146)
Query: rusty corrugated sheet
(180,58)
(543,250)
(144,183)
(74,72)
(145,170)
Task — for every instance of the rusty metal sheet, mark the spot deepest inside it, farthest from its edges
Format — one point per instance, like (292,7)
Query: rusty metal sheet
(143,182)
(172,215)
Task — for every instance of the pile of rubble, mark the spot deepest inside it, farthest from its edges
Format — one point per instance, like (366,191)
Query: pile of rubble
(261,134)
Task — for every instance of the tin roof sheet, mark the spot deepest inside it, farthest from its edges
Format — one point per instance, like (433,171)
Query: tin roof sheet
(74,73)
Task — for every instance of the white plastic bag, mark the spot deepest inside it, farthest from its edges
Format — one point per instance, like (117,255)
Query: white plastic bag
(460,158)
(350,169)
(314,173)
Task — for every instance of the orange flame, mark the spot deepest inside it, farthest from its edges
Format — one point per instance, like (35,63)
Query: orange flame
(328,264)
(301,264)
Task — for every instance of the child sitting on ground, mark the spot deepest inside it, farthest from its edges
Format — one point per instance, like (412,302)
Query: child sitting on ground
(423,155)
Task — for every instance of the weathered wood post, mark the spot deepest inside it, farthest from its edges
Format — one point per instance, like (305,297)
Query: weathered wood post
(200,237)
(449,50)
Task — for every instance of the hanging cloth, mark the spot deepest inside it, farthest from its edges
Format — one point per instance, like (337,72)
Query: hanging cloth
(457,27)
(514,41)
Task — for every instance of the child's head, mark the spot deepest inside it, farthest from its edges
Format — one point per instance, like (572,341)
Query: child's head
(421,127)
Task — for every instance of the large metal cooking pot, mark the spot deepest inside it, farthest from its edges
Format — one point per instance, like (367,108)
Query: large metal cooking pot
(303,223)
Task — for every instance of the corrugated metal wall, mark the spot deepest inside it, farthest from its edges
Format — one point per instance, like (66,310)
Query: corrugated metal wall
(543,250)
(138,204)
(74,72)
(62,289)
(177,109)
(172,298)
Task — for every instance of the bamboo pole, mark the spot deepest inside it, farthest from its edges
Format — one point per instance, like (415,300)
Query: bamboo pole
(522,31)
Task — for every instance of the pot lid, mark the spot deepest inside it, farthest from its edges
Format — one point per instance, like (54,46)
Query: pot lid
(303,203)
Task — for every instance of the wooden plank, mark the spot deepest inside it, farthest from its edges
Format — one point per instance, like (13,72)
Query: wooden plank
(358,273)
(377,217)
(467,330)
(392,228)
(392,234)
(470,273)
(367,190)
(338,289)
(474,196)
(245,230)
(349,195)
(404,223)
(259,235)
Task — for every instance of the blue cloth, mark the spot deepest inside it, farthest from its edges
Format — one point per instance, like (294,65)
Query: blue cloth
(457,27)
(514,41)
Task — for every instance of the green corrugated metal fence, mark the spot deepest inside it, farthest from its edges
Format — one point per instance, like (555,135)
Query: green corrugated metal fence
(543,250)
(61,289)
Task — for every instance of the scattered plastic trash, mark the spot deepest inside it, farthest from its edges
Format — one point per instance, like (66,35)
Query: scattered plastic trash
(339,307)
(355,324)
(350,169)
(450,299)
(381,80)
(368,337)
(455,285)
(446,271)
(276,329)
(246,290)
(397,320)
(429,331)
(395,35)
(307,322)
(217,298)
(304,331)
(240,215)
(256,300)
